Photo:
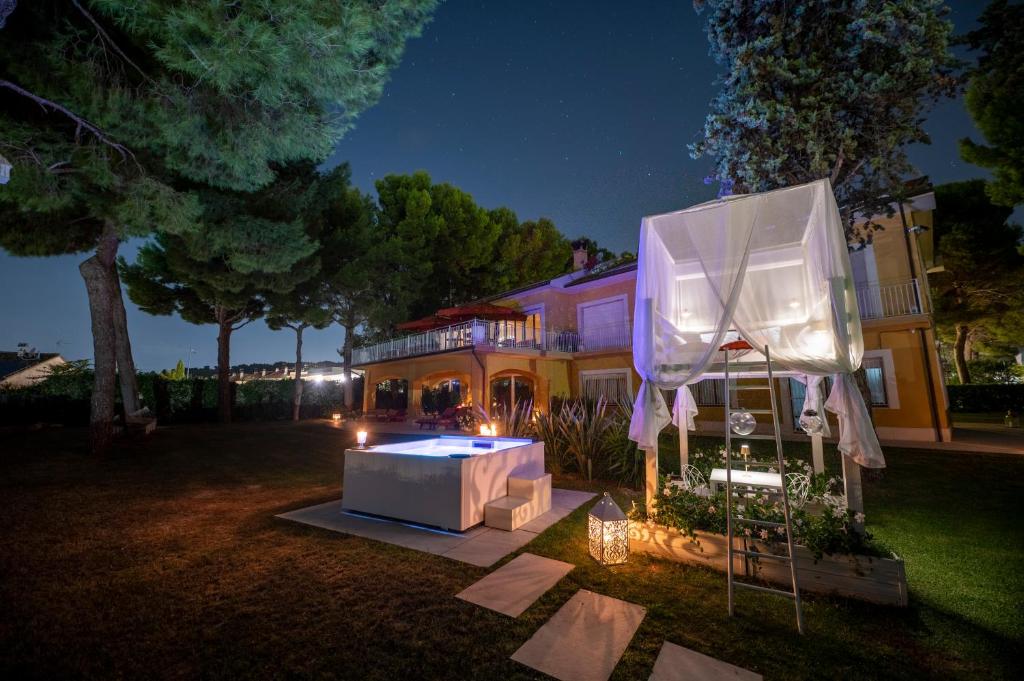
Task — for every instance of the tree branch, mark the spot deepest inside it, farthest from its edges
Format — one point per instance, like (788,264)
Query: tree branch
(79,121)
(107,39)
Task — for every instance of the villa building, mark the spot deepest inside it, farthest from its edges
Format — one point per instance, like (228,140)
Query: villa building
(572,336)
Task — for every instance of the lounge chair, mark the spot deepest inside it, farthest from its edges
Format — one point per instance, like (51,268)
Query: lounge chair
(397,417)
(449,419)
(429,421)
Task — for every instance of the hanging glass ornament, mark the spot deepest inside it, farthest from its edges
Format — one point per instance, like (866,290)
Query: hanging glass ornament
(811,422)
(742,422)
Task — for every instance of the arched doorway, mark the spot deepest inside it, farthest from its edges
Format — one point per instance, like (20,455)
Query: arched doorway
(441,395)
(510,390)
(391,393)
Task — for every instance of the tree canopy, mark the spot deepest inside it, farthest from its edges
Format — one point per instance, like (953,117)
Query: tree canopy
(110,104)
(823,88)
(979,294)
(994,100)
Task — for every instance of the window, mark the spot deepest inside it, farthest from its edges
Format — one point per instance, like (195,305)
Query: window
(604,324)
(709,392)
(509,391)
(874,367)
(615,385)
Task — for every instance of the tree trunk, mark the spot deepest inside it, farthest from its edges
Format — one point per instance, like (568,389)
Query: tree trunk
(101,416)
(297,393)
(223,366)
(346,359)
(107,254)
(963,373)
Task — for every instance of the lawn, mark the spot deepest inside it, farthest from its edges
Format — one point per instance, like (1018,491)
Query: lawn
(164,560)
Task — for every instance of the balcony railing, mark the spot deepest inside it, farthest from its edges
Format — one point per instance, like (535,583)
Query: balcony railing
(877,301)
(498,335)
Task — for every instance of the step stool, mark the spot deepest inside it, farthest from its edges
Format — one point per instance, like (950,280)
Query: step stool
(527,498)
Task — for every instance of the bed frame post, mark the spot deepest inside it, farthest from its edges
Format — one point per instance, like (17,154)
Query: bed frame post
(684,448)
(853,489)
(817,453)
(651,476)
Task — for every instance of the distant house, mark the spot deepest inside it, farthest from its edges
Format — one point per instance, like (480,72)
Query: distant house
(21,369)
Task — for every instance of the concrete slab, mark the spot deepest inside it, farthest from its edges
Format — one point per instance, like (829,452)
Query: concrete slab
(584,640)
(481,546)
(570,498)
(513,587)
(488,548)
(676,663)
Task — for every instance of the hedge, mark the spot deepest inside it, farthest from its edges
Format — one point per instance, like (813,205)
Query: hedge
(986,397)
(65,400)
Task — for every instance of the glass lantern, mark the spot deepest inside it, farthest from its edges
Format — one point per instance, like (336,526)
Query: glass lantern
(742,422)
(810,422)
(608,532)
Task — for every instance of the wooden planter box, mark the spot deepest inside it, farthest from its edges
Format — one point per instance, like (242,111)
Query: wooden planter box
(879,580)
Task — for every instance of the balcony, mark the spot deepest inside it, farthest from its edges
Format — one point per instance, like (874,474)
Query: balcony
(875,302)
(878,301)
(496,335)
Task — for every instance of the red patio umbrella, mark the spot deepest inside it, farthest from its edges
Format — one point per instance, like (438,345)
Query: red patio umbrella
(481,311)
(425,324)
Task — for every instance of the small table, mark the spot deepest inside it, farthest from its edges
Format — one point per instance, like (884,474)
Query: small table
(746,478)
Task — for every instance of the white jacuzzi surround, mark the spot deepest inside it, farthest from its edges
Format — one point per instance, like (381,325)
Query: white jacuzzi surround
(444,481)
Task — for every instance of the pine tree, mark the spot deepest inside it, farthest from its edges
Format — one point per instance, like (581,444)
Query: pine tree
(824,88)
(107,102)
(247,246)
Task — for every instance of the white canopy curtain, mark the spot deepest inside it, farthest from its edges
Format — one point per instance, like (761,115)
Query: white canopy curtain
(772,268)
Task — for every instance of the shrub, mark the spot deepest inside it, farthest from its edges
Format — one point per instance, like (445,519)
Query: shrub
(827,530)
(625,460)
(986,397)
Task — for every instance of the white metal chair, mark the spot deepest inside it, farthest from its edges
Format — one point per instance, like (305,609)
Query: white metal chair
(798,485)
(694,481)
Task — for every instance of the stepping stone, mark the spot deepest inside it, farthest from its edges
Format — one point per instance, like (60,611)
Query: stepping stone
(513,587)
(676,663)
(584,640)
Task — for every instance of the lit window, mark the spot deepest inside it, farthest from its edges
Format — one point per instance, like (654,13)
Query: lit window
(875,370)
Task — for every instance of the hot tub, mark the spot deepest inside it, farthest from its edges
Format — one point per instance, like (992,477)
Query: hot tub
(443,481)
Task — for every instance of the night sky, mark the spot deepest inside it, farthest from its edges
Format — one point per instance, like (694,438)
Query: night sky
(579,115)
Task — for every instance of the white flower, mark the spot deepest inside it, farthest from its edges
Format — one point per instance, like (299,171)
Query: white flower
(764,534)
(781,530)
(858,517)
(711,509)
(747,532)
(771,470)
(740,507)
(798,522)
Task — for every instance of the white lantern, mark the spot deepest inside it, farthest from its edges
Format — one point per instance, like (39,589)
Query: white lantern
(361,438)
(608,532)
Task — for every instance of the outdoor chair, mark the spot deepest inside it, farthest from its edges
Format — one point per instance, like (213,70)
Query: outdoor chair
(397,416)
(798,485)
(448,419)
(693,480)
(429,421)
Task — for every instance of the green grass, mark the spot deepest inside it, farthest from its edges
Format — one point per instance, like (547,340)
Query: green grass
(164,559)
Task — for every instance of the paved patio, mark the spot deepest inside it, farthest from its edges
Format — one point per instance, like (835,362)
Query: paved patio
(480,546)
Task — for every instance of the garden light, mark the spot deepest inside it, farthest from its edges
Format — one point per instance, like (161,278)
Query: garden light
(607,527)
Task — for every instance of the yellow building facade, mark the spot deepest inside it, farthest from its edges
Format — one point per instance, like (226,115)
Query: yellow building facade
(577,341)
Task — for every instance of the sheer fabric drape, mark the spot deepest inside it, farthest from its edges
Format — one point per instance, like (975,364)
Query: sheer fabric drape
(775,268)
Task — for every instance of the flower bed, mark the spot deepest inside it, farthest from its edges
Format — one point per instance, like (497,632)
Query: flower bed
(832,555)
(869,578)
